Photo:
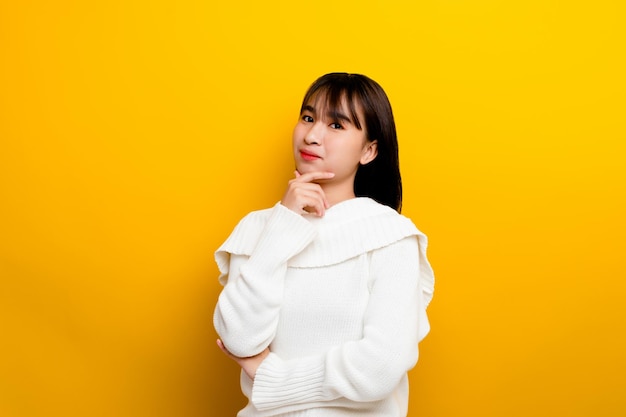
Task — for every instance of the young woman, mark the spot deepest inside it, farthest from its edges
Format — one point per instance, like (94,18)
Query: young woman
(325,294)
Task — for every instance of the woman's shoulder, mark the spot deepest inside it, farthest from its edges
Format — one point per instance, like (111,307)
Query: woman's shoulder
(245,234)
(254,219)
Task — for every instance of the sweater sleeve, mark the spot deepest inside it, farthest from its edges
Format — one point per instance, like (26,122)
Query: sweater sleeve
(247,311)
(364,370)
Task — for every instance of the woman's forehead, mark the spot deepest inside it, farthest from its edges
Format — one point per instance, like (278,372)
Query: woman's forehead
(324,100)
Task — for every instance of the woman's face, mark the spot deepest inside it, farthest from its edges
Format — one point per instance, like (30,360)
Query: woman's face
(327,141)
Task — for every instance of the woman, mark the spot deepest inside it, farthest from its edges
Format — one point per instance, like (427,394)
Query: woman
(325,294)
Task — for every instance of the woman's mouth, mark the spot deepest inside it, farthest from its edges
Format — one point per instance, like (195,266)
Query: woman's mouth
(307,156)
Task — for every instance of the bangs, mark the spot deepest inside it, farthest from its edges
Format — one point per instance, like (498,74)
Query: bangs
(329,99)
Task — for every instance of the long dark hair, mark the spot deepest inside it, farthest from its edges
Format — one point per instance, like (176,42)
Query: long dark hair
(380,179)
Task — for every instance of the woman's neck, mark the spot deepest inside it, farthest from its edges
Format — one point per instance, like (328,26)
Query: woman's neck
(336,193)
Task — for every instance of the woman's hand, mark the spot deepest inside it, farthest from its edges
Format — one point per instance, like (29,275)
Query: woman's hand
(249,365)
(303,195)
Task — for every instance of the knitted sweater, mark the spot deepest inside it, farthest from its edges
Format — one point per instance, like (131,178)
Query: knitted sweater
(340,301)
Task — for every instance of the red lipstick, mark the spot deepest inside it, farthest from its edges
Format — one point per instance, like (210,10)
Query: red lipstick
(308,156)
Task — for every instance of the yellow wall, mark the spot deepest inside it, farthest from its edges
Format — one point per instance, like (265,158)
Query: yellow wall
(134,135)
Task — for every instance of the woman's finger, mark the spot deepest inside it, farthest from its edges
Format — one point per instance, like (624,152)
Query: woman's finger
(310,199)
(220,344)
(300,195)
(314,176)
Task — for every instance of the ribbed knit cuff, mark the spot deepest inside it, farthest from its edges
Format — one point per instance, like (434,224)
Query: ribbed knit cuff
(277,385)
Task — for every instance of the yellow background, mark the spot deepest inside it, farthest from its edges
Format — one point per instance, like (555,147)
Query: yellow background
(135,134)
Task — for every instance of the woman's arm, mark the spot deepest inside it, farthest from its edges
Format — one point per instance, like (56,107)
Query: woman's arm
(368,369)
(246,314)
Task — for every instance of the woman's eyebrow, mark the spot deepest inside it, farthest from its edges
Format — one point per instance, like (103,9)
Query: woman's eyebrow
(308,108)
(338,116)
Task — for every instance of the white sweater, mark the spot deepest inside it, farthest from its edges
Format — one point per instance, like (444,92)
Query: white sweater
(340,301)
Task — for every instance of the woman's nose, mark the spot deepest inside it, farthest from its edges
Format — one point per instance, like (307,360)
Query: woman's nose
(314,135)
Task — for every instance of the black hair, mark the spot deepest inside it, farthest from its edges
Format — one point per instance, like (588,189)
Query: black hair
(379,179)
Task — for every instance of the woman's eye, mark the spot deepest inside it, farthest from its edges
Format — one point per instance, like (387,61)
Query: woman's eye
(336,126)
(307,119)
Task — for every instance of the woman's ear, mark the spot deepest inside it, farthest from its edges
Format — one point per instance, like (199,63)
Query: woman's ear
(370,151)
